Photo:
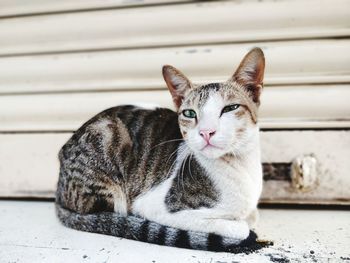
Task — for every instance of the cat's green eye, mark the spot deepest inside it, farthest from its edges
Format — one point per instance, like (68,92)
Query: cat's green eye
(189,113)
(230,108)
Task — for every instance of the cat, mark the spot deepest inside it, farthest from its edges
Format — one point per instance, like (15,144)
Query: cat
(190,178)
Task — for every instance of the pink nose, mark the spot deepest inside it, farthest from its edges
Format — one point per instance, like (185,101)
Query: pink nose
(207,134)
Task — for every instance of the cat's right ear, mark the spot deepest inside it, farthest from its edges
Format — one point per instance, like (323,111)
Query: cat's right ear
(177,83)
(250,73)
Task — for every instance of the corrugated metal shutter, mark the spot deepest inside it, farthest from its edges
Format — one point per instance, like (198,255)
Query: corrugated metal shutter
(63,61)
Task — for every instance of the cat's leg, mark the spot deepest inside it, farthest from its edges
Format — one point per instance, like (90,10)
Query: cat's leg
(90,177)
(212,221)
(120,201)
(204,220)
(153,207)
(76,195)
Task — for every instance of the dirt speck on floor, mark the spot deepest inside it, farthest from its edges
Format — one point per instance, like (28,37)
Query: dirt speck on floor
(278,258)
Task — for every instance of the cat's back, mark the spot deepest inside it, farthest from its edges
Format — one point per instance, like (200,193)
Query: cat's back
(136,119)
(145,123)
(125,128)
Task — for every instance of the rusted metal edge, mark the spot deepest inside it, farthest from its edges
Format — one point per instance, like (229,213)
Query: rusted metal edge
(277,171)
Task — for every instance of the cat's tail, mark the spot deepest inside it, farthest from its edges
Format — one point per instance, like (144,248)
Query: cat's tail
(140,229)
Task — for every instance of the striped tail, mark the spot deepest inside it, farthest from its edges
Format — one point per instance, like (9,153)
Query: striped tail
(140,229)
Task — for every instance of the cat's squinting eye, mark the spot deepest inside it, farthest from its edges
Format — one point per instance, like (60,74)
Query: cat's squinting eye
(189,113)
(230,108)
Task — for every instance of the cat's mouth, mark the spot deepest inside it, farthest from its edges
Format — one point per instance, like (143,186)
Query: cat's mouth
(211,146)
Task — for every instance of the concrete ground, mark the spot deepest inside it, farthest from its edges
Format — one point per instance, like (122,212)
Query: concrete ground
(30,232)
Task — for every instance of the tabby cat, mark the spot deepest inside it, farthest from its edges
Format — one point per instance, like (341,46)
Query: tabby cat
(190,178)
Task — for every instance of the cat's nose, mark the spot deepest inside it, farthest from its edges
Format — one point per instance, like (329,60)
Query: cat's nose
(207,134)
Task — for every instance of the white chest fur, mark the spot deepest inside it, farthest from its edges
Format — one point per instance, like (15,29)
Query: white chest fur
(239,186)
(239,183)
(151,204)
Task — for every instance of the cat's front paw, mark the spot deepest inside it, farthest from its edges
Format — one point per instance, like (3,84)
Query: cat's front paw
(231,228)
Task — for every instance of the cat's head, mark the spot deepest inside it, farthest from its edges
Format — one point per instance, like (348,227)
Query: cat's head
(219,118)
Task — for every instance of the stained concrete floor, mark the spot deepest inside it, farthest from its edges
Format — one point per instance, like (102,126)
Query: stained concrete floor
(30,232)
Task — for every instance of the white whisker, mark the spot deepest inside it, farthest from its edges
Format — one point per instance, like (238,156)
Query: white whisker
(182,171)
(166,142)
(189,166)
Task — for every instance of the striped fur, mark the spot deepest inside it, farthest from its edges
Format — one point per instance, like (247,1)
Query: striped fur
(139,174)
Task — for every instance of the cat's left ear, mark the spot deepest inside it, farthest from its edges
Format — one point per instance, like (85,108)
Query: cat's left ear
(250,73)
(177,83)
